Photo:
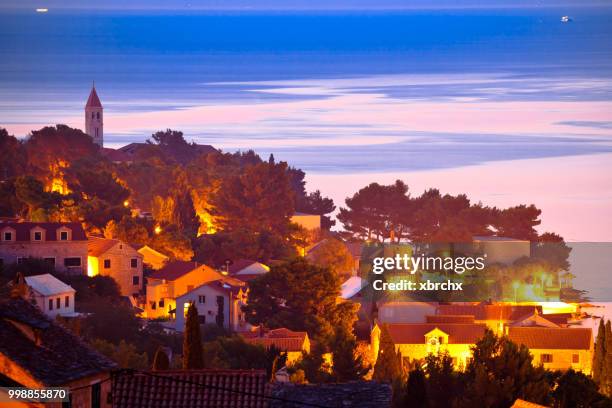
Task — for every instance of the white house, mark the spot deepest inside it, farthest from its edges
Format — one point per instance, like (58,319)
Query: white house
(246,269)
(51,295)
(218,302)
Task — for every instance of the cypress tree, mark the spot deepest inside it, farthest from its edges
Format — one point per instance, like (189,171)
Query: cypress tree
(599,353)
(388,365)
(161,362)
(192,342)
(606,372)
(416,389)
(347,365)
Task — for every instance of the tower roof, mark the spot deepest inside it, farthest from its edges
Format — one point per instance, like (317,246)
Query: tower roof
(93,101)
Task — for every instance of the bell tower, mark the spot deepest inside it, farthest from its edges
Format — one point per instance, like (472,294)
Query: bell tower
(94,123)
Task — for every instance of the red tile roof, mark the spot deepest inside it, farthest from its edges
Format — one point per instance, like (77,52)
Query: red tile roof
(174,270)
(98,246)
(450,319)
(191,388)
(282,338)
(489,312)
(552,338)
(23,229)
(414,333)
(93,101)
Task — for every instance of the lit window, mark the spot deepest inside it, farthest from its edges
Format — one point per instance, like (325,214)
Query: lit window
(546,358)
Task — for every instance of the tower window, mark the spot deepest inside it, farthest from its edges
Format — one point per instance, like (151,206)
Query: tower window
(92,115)
(96,132)
(98,115)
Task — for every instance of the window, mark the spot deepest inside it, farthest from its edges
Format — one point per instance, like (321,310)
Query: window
(135,280)
(58,303)
(50,304)
(70,262)
(161,303)
(63,235)
(8,236)
(153,305)
(96,395)
(134,262)
(107,264)
(546,358)
(50,261)
(201,299)
(67,301)
(96,132)
(575,358)
(93,115)
(37,236)
(97,115)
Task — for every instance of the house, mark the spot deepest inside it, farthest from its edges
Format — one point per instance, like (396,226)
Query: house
(494,315)
(354,394)
(173,280)
(35,352)
(191,388)
(150,257)
(557,348)
(246,269)
(111,257)
(502,250)
(217,301)
(51,295)
(62,244)
(417,340)
(292,342)
(405,312)
(310,222)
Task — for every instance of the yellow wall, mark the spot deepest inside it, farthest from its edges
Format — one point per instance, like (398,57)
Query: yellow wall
(562,359)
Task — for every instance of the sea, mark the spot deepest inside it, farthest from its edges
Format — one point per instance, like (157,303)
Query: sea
(508,105)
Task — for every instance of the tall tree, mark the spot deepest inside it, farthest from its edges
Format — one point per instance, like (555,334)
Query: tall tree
(193,356)
(388,367)
(519,222)
(347,364)
(12,156)
(599,354)
(315,203)
(161,362)
(415,395)
(300,296)
(573,389)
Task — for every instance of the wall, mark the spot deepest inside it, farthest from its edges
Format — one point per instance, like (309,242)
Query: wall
(562,359)
(120,256)
(9,252)
(43,304)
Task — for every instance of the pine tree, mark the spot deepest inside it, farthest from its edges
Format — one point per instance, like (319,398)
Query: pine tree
(161,362)
(192,342)
(416,389)
(388,365)
(599,353)
(347,365)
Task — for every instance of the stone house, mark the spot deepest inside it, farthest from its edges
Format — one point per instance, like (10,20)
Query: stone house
(111,257)
(222,297)
(173,280)
(292,342)
(51,295)
(63,245)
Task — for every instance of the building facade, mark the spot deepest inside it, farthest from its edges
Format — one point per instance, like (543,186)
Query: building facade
(52,296)
(114,258)
(64,245)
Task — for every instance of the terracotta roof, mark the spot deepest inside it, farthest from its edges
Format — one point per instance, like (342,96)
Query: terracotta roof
(489,312)
(552,338)
(362,394)
(239,265)
(23,230)
(93,101)
(450,319)
(58,359)
(558,318)
(282,338)
(98,246)
(414,333)
(191,388)
(175,269)
(519,403)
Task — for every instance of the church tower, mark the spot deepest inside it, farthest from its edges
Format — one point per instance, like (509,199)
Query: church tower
(94,124)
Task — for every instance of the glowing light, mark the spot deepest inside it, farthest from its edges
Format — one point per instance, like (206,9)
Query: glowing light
(126,203)
(207,225)
(92,266)
(158,229)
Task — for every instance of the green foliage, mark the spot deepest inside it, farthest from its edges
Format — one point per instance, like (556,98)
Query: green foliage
(415,393)
(573,389)
(315,203)
(442,380)
(124,354)
(128,229)
(161,362)
(300,296)
(388,365)
(333,254)
(110,321)
(192,342)
(235,353)
(12,156)
(347,364)
(313,365)
(599,354)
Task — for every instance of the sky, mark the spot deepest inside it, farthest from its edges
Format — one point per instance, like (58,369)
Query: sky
(287,4)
